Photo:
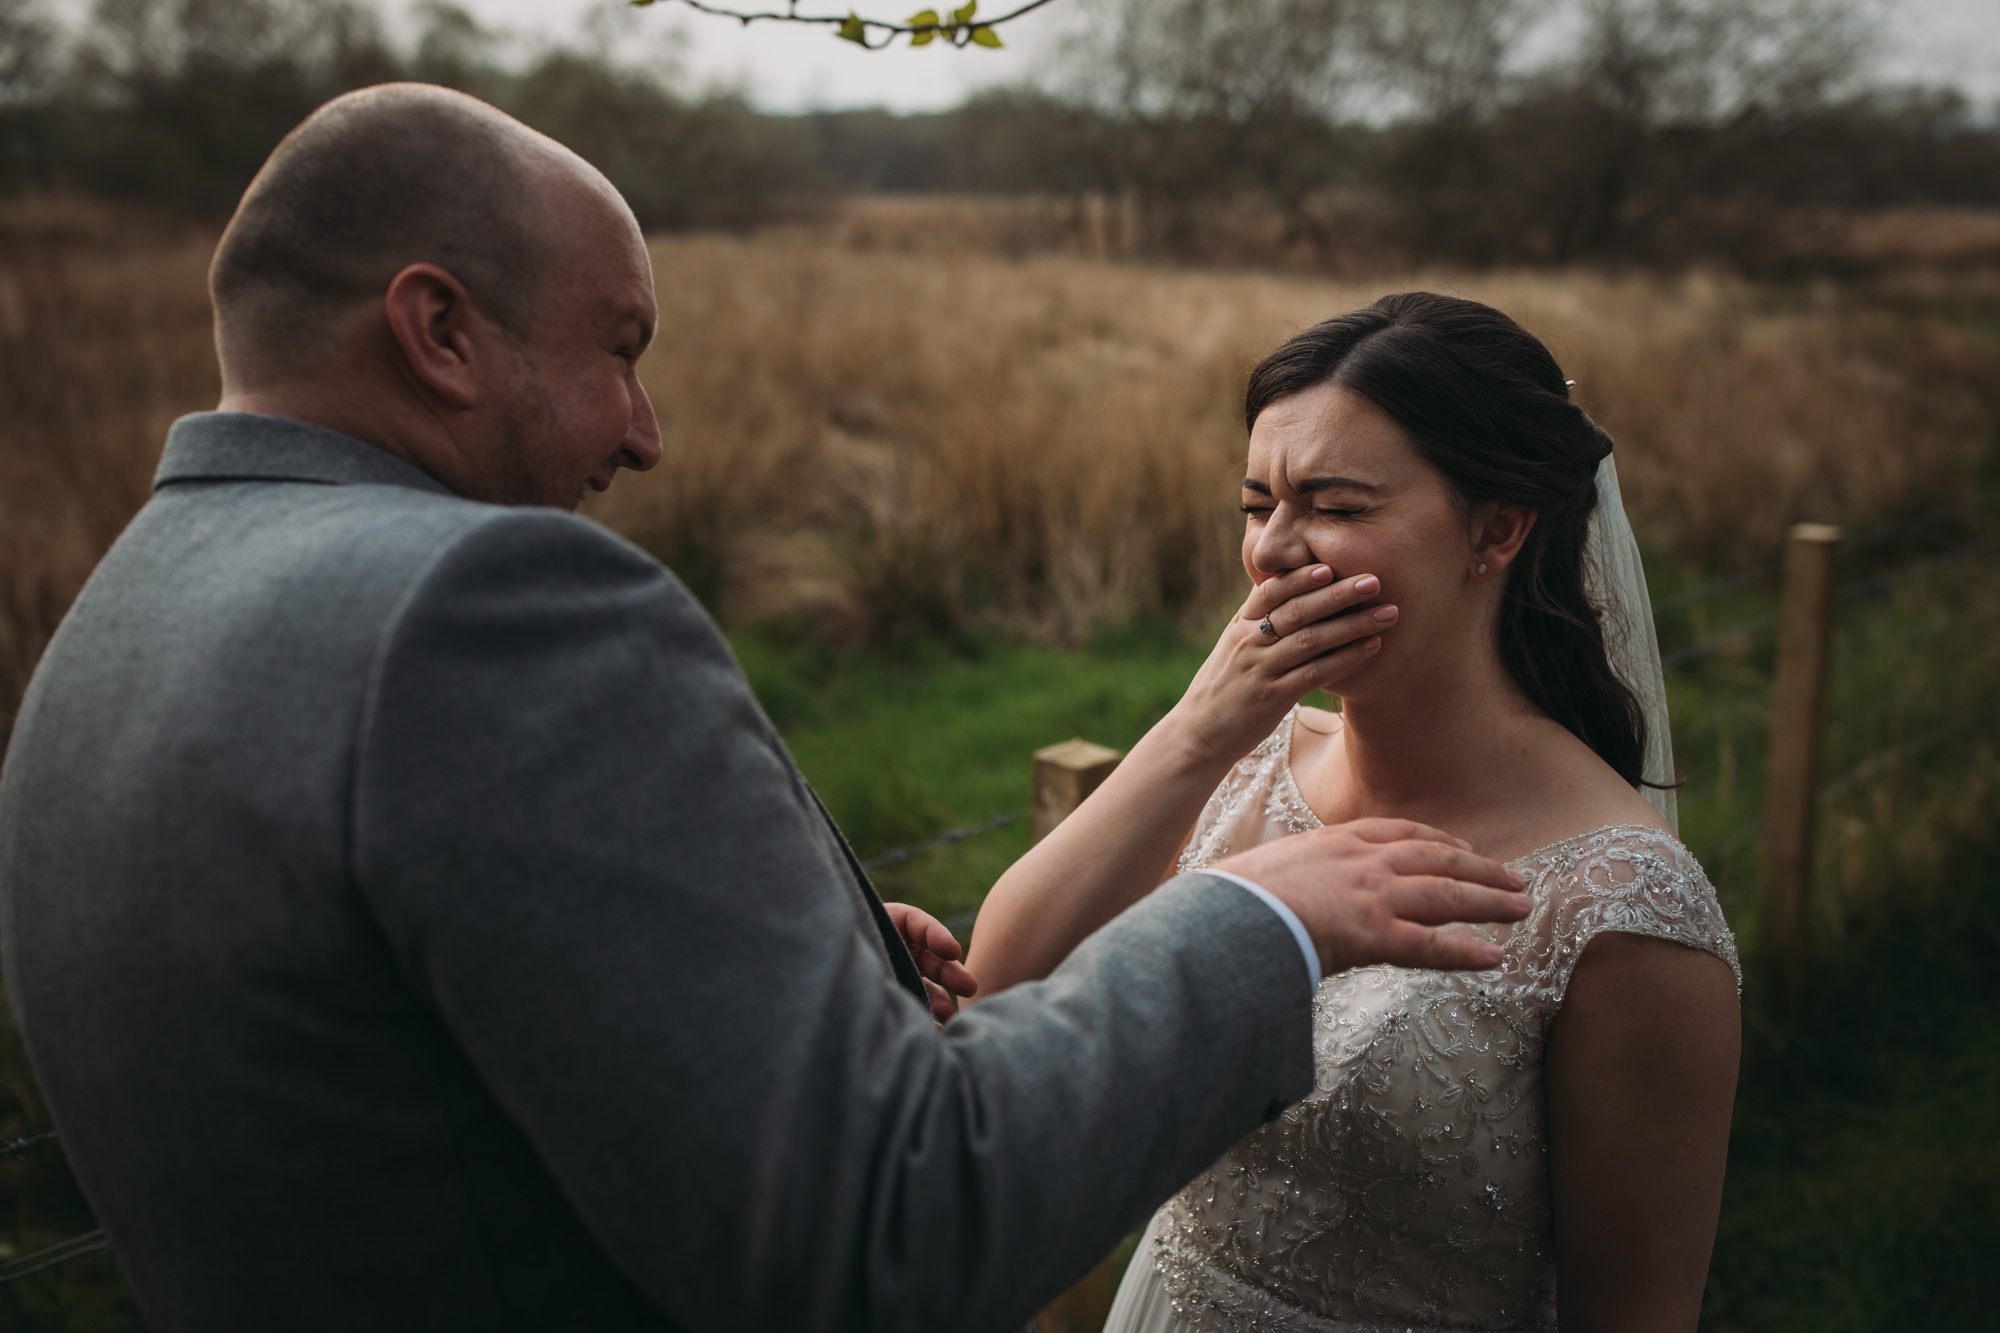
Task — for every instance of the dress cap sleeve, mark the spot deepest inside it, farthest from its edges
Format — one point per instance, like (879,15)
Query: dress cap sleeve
(1630,878)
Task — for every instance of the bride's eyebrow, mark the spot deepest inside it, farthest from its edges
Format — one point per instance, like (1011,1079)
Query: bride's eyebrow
(1313,484)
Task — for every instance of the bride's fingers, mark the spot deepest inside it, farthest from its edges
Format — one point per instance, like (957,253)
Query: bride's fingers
(1275,591)
(1323,604)
(1326,636)
(1328,668)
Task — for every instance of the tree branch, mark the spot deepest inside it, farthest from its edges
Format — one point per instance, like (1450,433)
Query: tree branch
(956,26)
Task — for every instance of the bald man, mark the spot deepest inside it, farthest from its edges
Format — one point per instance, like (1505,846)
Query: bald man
(413,920)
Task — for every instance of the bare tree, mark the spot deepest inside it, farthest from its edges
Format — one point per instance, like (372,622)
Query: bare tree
(1211,101)
(27,52)
(1659,89)
(28,70)
(1447,60)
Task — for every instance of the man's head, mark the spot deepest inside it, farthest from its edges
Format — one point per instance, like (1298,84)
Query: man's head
(422,271)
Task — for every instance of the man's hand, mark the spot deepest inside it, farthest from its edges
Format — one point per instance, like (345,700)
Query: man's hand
(1378,891)
(938,957)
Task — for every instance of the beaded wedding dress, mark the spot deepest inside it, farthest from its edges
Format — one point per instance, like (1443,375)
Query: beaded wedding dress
(1409,1190)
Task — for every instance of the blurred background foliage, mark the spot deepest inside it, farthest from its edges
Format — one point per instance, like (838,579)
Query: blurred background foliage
(1327,133)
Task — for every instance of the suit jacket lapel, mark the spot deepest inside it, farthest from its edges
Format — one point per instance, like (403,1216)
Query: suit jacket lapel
(892,939)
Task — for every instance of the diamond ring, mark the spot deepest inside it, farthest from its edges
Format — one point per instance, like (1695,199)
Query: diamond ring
(1269,629)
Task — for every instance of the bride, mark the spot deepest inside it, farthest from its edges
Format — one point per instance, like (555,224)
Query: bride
(1434,533)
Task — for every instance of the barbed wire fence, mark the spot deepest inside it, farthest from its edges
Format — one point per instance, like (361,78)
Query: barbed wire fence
(1738,636)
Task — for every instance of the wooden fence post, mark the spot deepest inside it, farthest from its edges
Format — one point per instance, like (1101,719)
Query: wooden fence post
(1064,775)
(1798,720)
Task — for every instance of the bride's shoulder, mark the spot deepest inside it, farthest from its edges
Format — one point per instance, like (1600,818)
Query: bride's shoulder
(1632,878)
(1576,789)
(1317,721)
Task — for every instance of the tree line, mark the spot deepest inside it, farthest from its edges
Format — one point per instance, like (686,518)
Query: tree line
(1476,131)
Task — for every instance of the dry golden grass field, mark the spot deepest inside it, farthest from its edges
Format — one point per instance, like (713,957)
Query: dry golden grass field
(864,443)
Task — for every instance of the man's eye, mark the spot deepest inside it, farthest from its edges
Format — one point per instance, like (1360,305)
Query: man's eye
(1255,510)
(1341,513)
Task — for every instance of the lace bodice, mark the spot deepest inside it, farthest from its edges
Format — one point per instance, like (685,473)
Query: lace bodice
(1409,1190)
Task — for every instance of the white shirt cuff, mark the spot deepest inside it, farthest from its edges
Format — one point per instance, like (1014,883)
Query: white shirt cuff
(1286,915)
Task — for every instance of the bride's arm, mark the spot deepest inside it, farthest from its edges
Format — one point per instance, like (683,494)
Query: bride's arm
(1120,843)
(1641,1071)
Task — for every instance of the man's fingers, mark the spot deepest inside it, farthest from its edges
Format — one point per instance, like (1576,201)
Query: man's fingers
(1407,944)
(942,1009)
(1432,900)
(955,978)
(1382,829)
(922,931)
(1418,857)
(940,942)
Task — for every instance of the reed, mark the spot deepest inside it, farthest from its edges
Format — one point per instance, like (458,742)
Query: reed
(866,446)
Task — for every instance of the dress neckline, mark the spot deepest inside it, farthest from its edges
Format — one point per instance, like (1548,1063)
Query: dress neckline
(1288,792)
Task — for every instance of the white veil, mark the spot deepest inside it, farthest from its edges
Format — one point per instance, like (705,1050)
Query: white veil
(1616,581)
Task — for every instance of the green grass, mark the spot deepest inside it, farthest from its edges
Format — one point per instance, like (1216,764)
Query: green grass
(1864,1174)
(903,744)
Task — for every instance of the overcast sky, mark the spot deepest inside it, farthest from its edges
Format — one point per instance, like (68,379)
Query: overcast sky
(789,68)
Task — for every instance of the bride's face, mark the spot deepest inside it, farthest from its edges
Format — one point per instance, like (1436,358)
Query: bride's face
(1333,480)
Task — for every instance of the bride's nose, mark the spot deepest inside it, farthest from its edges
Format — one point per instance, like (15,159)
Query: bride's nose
(1281,546)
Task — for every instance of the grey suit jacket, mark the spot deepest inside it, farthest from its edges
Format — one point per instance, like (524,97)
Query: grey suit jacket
(416,924)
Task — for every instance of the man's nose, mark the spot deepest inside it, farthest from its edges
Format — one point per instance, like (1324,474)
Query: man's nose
(642,441)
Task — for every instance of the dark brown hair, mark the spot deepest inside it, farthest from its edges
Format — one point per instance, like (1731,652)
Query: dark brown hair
(1486,404)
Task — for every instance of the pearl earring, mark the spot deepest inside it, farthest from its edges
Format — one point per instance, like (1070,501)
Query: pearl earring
(1482,566)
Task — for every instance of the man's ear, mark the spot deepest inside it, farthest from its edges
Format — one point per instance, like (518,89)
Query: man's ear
(440,332)
(1498,531)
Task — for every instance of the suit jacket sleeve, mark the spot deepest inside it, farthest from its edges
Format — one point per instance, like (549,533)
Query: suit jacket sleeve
(595,858)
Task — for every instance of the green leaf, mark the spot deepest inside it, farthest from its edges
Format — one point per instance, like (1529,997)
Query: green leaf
(924,38)
(640,4)
(852,29)
(986,37)
(926,18)
(963,15)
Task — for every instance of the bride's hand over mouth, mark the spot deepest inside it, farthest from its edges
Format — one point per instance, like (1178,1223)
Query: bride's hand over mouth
(1297,632)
